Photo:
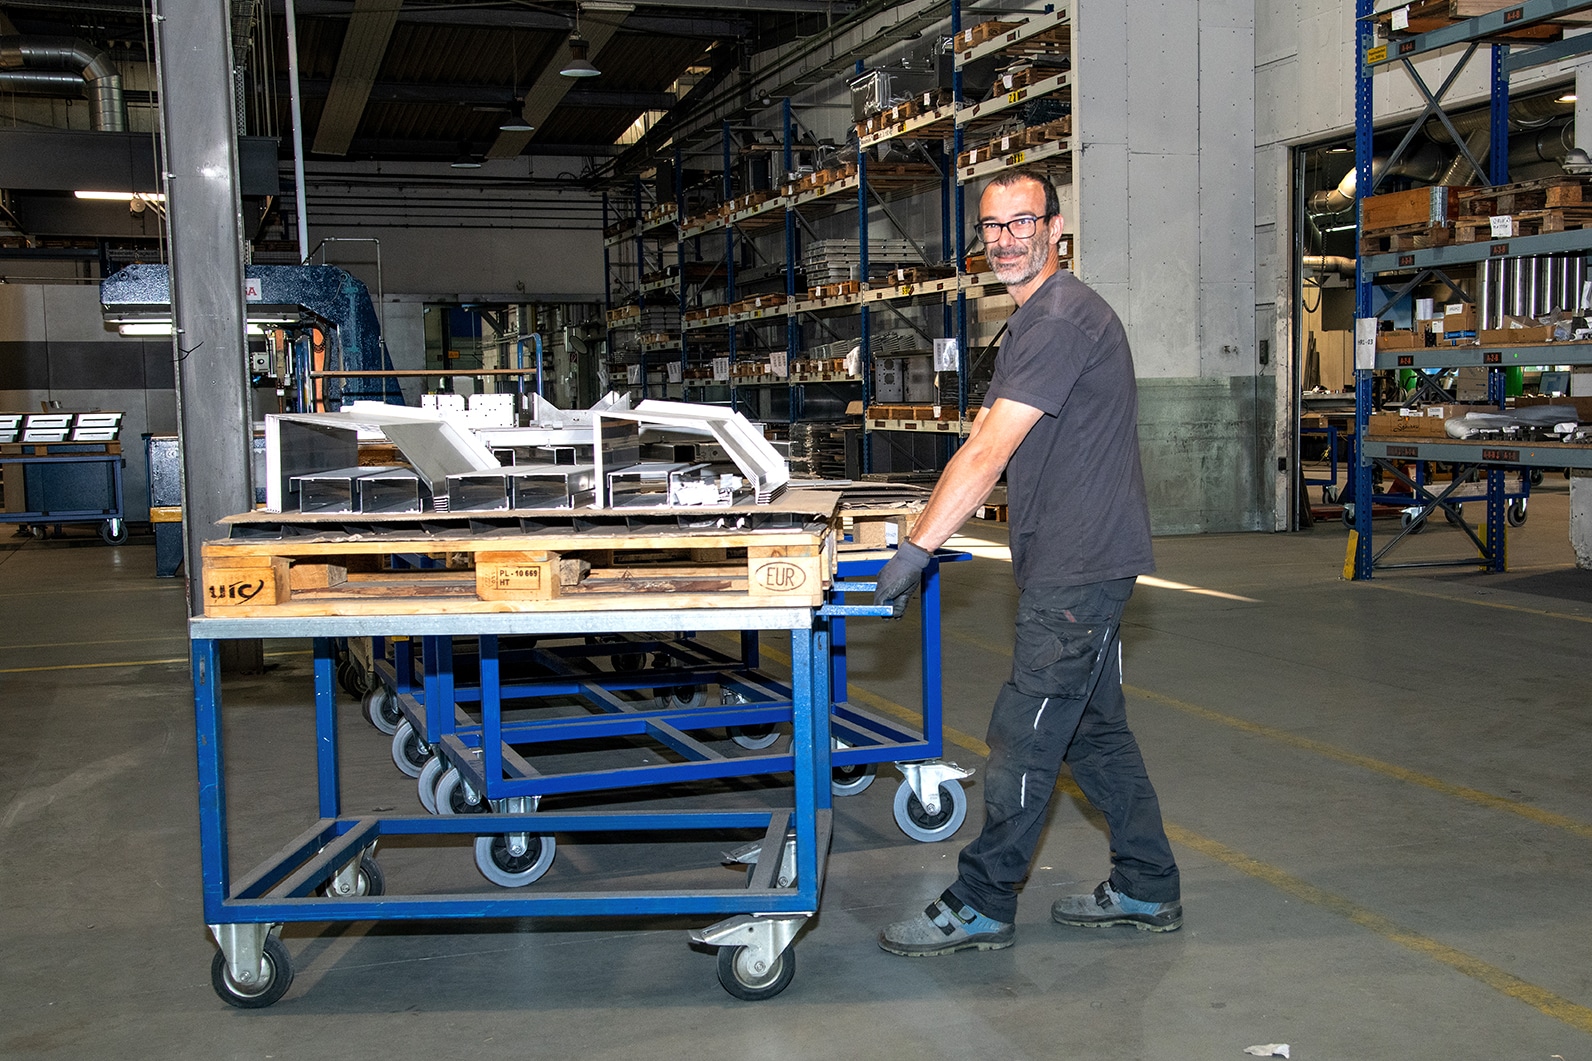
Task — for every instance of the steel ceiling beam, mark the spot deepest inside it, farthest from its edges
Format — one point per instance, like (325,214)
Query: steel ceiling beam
(550,87)
(481,95)
(369,29)
(705,23)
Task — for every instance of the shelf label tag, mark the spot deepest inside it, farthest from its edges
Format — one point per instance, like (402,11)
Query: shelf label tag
(253,289)
(1365,344)
(675,370)
(633,374)
(945,355)
(1401,18)
(721,368)
(1503,226)
(779,362)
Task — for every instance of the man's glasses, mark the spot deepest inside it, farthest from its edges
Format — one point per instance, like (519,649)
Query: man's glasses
(1019,227)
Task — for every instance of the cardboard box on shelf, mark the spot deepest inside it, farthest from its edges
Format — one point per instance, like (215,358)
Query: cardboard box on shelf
(1459,317)
(1542,333)
(1398,340)
(1393,425)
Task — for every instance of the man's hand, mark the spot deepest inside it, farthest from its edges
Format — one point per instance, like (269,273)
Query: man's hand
(899,579)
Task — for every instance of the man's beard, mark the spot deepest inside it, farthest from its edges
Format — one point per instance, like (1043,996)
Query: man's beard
(1019,271)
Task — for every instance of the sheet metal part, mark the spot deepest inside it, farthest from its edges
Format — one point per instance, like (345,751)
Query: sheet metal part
(522,486)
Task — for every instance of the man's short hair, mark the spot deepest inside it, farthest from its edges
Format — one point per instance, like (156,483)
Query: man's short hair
(1014,176)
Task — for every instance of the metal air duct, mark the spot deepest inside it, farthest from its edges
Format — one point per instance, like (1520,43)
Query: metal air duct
(30,55)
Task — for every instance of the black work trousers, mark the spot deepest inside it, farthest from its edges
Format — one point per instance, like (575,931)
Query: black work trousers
(1064,703)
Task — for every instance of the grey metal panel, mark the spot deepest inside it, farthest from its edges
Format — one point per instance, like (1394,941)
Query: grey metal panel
(1102,222)
(511,623)
(1164,264)
(1164,60)
(202,199)
(64,160)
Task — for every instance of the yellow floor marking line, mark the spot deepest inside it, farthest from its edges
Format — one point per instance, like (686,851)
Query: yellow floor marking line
(1499,605)
(125,663)
(79,644)
(1500,980)
(1342,755)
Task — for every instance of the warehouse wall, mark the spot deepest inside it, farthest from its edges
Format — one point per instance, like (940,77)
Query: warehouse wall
(54,346)
(1304,94)
(1166,233)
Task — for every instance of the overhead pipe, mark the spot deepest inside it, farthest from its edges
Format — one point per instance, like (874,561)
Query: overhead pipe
(43,83)
(1329,263)
(109,108)
(1423,165)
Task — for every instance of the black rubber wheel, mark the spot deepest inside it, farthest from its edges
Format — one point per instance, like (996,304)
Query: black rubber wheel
(755,738)
(451,797)
(114,531)
(351,676)
(505,869)
(1348,516)
(278,978)
(914,819)
(380,705)
(853,779)
(626,662)
(370,880)
(1515,514)
(1536,477)
(742,981)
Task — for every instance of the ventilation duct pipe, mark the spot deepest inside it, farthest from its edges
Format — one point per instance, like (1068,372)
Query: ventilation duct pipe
(1329,263)
(1422,165)
(45,54)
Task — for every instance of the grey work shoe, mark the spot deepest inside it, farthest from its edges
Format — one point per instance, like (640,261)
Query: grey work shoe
(1102,908)
(942,930)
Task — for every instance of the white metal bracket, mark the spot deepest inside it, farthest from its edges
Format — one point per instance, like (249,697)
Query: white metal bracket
(924,779)
(244,948)
(765,938)
(748,855)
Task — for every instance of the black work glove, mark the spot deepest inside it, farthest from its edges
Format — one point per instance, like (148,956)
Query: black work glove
(899,579)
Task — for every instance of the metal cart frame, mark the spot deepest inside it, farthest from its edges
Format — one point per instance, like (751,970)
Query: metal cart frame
(760,921)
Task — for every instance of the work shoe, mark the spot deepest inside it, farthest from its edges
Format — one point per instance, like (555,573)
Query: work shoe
(942,930)
(1107,906)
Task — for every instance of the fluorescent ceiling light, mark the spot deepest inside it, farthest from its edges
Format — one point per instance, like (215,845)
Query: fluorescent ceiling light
(123,197)
(516,125)
(140,328)
(1568,97)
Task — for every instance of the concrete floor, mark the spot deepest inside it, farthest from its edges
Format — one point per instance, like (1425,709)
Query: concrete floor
(1376,792)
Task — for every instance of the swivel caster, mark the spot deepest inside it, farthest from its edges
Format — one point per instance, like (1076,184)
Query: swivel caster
(257,990)
(409,751)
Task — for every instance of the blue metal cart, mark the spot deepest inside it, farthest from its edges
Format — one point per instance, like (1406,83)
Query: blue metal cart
(450,731)
(328,871)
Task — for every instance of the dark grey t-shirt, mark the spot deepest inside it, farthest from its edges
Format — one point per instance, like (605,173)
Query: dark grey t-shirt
(1075,487)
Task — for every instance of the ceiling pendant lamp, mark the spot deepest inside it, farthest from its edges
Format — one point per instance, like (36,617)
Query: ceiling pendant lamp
(578,64)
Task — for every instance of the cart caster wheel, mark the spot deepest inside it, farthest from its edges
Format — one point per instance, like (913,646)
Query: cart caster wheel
(502,867)
(1536,477)
(380,705)
(752,985)
(278,977)
(626,662)
(1348,515)
(1406,519)
(755,738)
(409,752)
(1516,513)
(453,798)
(426,784)
(1452,515)
(369,881)
(351,676)
(1329,495)
(681,697)
(114,531)
(852,780)
(928,828)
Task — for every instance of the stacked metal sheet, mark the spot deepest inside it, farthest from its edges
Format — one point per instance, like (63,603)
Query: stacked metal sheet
(832,261)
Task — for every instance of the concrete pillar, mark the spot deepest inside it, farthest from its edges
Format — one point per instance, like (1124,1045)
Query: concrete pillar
(1581,518)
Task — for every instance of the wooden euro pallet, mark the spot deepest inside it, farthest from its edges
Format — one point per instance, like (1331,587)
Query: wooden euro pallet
(468,564)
